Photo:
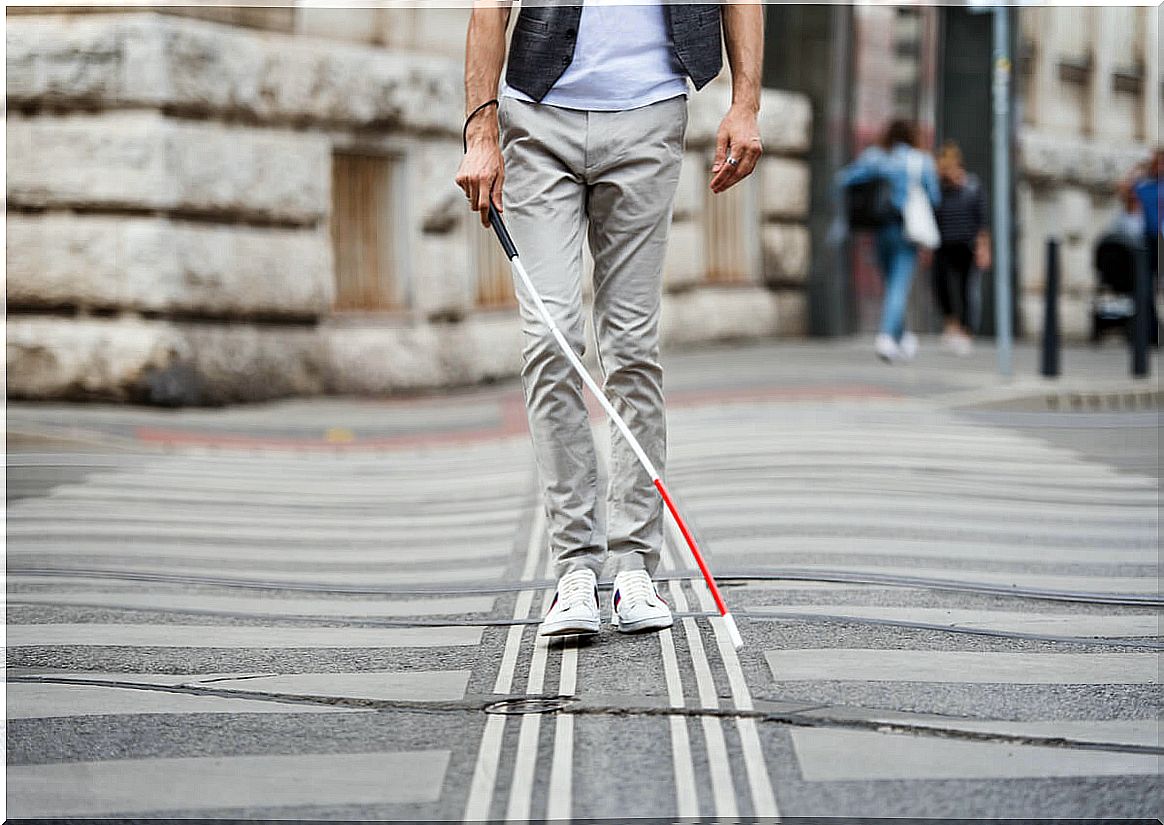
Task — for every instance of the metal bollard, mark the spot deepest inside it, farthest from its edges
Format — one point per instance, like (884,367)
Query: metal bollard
(1143,317)
(1049,366)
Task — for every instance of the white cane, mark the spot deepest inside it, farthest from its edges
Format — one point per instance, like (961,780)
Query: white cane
(515,261)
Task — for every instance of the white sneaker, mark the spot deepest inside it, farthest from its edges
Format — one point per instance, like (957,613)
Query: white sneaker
(637,605)
(908,346)
(886,348)
(957,343)
(575,606)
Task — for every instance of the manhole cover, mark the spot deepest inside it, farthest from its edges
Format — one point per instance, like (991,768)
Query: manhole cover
(536,704)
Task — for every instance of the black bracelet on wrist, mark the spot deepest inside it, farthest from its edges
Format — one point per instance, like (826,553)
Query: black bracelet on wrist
(472,114)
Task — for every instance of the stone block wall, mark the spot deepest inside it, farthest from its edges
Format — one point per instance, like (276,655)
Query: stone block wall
(157,265)
(766,226)
(170,196)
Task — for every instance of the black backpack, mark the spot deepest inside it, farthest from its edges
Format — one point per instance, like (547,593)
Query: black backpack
(869,204)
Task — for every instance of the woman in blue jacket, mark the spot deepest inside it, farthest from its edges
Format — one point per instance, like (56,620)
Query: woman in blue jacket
(896,159)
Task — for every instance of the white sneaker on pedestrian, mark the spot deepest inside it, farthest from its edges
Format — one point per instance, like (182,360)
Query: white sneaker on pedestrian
(637,605)
(886,348)
(574,609)
(957,343)
(908,346)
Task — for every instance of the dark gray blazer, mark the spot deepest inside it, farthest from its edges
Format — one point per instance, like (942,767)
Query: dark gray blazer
(543,41)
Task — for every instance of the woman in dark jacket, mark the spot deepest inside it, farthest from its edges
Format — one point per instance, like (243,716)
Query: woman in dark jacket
(961,218)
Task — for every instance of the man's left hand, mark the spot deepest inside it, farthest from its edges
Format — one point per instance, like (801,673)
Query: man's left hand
(738,140)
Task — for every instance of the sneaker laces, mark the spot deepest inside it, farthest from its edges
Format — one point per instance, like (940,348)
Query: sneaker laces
(576,589)
(635,588)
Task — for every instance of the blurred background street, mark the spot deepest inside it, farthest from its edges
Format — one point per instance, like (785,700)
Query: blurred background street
(949,591)
(219,203)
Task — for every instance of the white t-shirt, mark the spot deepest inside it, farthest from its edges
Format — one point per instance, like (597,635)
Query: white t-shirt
(623,59)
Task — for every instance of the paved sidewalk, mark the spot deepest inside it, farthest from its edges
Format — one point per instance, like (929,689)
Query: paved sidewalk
(948,587)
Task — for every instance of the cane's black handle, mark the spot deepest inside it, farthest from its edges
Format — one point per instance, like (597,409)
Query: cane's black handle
(502,233)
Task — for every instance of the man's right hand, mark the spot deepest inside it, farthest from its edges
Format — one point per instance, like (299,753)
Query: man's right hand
(482,171)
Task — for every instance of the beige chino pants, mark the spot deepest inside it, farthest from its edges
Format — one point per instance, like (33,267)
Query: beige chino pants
(607,178)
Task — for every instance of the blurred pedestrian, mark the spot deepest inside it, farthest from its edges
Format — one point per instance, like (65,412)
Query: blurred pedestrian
(1129,219)
(1147,192)
(965,245)
(913,191)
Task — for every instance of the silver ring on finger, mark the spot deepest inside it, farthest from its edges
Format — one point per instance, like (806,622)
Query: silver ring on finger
(733,162)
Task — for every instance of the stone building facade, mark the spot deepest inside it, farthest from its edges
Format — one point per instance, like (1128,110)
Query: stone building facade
(1089,89)
(260,204)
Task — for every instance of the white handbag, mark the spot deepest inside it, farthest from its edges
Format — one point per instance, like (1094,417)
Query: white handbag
(918,219)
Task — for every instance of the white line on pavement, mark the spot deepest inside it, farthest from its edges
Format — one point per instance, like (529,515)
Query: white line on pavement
(274,575)
(264,606)
(50,700)
(525,763)
(484,780)
(364,501)
(561,790)
(485,772)
(54,530)
(925,520)
(686,794)
(1140,585)
(827,755)
(964,667)
(254,489)
(222,636)
(890,479)
(1086,625)
(763,797)
(1143,732)
(391,549)
(42,510)
(722,789)
(758,499)
(1007,471)
(150,786)
(767,547)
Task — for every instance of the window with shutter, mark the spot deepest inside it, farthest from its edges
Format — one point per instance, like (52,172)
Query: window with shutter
(362,231)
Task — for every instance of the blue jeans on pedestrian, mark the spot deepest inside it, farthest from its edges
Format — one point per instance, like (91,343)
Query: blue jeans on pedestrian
(898,259)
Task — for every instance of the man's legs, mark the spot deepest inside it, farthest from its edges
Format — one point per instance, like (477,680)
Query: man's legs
(634,171)
(544,199)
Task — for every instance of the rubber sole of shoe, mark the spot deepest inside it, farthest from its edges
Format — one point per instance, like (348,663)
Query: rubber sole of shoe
(574,627)
(644,625)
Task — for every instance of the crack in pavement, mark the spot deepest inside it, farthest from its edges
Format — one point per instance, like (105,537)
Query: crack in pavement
(729,577)
(753,615)
(845,717)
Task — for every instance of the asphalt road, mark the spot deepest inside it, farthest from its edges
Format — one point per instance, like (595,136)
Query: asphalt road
(326,609)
